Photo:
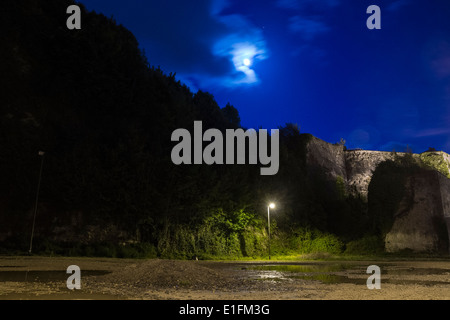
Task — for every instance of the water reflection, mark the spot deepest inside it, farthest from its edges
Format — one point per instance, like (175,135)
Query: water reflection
(334,273)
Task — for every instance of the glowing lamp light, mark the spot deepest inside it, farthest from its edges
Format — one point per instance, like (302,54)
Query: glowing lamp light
(270,206)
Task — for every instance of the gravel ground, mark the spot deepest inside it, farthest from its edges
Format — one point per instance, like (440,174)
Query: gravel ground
(198,280)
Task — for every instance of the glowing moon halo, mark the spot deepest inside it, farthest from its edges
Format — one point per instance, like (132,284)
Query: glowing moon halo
(247,62)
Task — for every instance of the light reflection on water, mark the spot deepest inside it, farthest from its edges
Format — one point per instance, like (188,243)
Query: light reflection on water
(335,273)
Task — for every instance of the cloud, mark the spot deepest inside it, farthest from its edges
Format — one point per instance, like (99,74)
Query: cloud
(432,132)
(241,41)
(312,24)
(308,28)
(396,5)
(438,59)
(244,42)
(440,63)
(307,21)
(237,41)
(217,6)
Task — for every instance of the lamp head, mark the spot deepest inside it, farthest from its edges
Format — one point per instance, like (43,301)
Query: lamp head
(272,205)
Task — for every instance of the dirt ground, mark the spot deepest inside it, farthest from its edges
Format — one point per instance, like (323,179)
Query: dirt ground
(126,279)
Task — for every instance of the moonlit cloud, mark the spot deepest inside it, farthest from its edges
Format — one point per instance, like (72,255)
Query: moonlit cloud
(239,74)
(237,39)
(245,41)
(237,49)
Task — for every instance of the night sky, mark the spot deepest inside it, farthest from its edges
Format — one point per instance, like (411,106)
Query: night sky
(309,62)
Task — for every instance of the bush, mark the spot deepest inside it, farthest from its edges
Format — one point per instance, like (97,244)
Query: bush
(220,235)
(314,241)
(136,251)
(104,249)
(366,245)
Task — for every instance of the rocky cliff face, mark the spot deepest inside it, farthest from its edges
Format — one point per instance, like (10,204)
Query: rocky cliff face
(422,221)
(444,185)
(419,223)
(329,156)
(360,165)
(355,167)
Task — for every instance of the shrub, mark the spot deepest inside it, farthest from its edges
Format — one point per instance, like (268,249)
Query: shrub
(369,244)
(314,241)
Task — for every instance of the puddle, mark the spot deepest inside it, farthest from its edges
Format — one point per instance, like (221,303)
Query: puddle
(302,268)
(44,276)
(318,272)
(416,271)
(331,279)
(339,273)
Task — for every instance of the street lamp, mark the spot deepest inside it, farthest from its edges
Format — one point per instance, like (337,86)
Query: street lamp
(41,154)
(270,206)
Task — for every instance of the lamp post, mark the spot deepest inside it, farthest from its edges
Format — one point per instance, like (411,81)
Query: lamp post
(270,206)
(41,154)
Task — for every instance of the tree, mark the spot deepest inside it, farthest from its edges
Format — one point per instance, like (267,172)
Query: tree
(231,116)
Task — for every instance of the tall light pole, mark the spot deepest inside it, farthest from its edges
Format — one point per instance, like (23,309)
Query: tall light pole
(41,154)
(270,206)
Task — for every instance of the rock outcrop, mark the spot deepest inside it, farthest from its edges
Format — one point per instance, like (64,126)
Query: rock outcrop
(422,221)
(419,223)
(444,185)
(330,157)
(360,165)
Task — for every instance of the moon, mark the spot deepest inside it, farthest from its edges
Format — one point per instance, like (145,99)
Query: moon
(247,62)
